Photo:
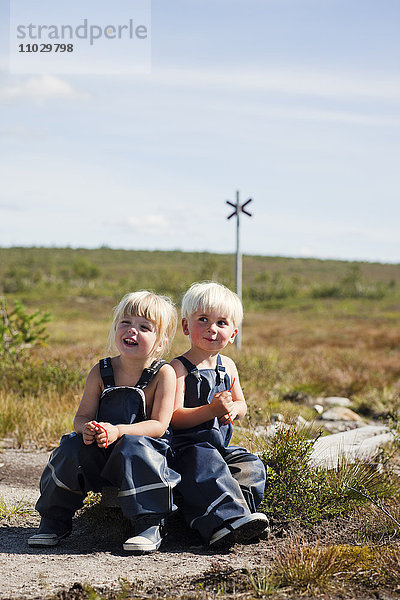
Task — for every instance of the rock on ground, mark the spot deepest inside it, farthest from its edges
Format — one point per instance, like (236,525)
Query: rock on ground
(354,444)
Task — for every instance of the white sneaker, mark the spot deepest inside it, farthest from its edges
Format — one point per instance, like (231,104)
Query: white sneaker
(148,541)
(147,536)
(240,530)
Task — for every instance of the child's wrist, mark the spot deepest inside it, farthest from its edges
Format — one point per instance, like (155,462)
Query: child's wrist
(211,412)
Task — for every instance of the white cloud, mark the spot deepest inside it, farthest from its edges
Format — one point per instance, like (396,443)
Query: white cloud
(39,89)
(150,224)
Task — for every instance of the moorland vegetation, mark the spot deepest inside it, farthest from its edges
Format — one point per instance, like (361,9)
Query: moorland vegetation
(312,328)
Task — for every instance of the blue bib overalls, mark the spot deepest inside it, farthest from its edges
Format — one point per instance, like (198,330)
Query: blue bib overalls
(135,464)
(219,483)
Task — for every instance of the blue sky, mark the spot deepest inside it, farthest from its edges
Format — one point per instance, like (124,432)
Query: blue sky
(293,102)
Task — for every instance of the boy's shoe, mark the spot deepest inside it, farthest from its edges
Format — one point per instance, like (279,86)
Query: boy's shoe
(50,533)
(148,535)
(240,530)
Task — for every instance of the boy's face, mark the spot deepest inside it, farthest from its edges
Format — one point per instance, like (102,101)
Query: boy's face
(209,331)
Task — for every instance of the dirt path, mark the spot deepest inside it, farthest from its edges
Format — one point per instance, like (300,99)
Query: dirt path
(93,553)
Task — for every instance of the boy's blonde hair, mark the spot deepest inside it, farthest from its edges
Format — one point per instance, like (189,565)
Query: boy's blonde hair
(210,295)
(158,309)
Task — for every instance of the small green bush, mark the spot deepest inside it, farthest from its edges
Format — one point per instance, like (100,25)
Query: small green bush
(293,488)
(20,330)
(85,269)
(298,490)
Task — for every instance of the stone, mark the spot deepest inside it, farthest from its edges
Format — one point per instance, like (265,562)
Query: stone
(337,401)
(338,426)
(340,413)
(360,443)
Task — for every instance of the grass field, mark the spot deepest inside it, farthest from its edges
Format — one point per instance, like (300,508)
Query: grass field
(337,332)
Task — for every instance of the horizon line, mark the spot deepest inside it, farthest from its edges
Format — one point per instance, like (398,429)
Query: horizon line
(284,256)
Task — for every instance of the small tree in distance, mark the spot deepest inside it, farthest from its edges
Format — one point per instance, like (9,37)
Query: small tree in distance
(19,330)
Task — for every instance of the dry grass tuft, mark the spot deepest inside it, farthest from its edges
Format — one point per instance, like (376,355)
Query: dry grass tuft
(376,526)
(36,420)
(309,568)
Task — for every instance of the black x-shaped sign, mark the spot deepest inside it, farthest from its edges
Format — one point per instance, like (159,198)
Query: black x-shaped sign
(239,208)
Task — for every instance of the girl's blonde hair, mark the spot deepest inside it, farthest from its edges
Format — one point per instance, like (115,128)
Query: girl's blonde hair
(210,295)
(160,310)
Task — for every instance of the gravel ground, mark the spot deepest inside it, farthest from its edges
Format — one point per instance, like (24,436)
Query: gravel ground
(93,553)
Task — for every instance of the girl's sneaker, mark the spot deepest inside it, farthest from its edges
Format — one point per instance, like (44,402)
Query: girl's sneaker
(50,533)
(148,535)
(240,530)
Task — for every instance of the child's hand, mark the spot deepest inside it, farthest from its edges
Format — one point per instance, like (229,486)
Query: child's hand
(229,417)
(88,433)
(106,434)
(222,404)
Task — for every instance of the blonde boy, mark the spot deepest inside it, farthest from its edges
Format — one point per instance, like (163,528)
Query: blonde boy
(221,485)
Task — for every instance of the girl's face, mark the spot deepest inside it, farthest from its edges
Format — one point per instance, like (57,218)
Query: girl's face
(209,331)
(136,336)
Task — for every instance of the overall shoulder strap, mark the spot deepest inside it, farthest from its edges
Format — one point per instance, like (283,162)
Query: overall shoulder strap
(190,367)
(149,373)
(220,370)
(106,372)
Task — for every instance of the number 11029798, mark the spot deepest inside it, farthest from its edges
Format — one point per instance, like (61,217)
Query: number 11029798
(45,48)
